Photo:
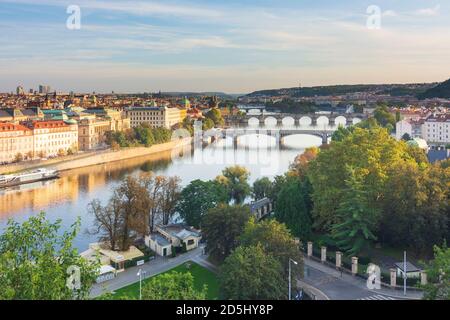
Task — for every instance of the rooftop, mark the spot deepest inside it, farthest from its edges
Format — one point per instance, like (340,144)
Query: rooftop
(409,267)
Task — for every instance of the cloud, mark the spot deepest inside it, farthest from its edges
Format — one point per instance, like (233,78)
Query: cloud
(428,12)
(140,8)
(389,13)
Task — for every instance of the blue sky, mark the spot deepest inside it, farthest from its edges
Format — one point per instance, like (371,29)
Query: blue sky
(232,46)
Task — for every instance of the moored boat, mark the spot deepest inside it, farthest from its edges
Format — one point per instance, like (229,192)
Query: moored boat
(27,177)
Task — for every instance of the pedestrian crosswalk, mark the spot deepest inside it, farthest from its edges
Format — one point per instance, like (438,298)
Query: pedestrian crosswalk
(377,297)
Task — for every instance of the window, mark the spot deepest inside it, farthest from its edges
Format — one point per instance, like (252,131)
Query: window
(190,242)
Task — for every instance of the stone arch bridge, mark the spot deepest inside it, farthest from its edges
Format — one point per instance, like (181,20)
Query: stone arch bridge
(295,119)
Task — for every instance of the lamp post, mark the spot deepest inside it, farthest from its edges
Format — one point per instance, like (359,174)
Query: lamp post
(295,262)
(139,274)
(404,273)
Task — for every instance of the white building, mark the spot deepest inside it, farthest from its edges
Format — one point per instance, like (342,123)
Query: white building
(436,129)
(412,127)
(171,236)
(52,138)
(156,117)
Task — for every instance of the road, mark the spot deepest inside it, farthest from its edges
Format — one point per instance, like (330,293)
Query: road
(331,284)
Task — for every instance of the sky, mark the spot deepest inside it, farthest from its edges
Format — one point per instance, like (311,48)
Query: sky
(229,46)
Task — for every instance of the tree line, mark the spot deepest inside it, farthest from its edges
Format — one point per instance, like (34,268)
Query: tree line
(142,135)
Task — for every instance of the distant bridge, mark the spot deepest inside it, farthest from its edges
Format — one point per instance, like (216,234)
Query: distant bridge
(289,119)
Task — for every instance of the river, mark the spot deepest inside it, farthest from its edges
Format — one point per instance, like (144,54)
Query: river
(67,198)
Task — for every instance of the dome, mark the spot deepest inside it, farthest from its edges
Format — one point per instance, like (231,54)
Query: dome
(186,103)
(71,121)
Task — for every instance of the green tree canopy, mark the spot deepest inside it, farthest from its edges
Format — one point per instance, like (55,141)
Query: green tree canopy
(235,180)
(36,262)
(370,152)
(293,207)
(172,286)
(197,198)
(249,273)
(276,240)
(222,227)
(358,219)
(262,188)
(438,272)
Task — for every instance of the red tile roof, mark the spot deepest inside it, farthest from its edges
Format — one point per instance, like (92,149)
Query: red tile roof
(48,124)
(7,126)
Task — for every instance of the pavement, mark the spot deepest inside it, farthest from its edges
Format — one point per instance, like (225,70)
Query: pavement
(151,268)
(331,284)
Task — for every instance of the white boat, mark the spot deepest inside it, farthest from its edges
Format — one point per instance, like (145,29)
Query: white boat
(27,177)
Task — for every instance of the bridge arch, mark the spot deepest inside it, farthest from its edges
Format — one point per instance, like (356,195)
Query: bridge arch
(305,121)
(288,122)
(270,122)
(253,122)
(323,120)
(340,121)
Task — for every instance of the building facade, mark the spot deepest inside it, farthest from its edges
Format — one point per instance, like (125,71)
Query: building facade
(53,138)
(92,133)
(156,117)
(436,129)
(15,141)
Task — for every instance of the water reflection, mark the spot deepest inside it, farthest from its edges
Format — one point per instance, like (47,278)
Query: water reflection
(67,198)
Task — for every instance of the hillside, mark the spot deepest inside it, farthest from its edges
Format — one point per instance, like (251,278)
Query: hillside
(442,90)
(391,89)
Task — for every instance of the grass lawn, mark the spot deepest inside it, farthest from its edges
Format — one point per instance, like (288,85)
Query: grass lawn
(201,276)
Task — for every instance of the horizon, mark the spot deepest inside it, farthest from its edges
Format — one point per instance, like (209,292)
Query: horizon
(232,93)
(209,46)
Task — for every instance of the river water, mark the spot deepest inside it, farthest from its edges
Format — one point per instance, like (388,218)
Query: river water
(67,198)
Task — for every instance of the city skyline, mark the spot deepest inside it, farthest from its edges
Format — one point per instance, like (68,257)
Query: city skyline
(143,46)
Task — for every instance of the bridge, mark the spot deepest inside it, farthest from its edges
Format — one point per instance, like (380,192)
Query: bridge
(278,133)
(283,119)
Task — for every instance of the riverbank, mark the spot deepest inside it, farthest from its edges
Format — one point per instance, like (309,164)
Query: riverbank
(95,158)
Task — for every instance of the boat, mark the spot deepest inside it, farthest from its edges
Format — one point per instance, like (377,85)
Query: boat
(27,177)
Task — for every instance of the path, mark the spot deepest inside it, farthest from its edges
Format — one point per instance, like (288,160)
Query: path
(153,267)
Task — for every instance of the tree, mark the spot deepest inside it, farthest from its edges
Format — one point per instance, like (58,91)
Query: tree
(406,137)
(251,274)
(222,227)
(153,185)
(370,152)
(197,198)
(172,286)
(301,162)
(384,117)
(262,188)
(168,198)
(235,179)
(125,216)
(277,241)
(18,157)
(293,207)
(415,206)
(216,116)
(208,124)
(36,260)
(356,230)
(108,222)
(438,272)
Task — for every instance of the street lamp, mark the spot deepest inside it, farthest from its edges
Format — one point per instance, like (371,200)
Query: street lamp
(139,274)
(296,263)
